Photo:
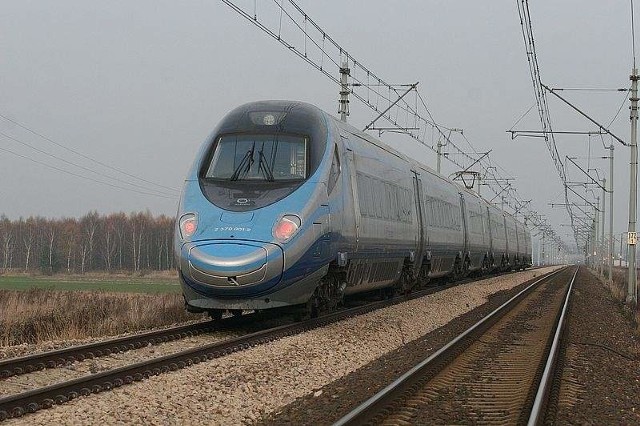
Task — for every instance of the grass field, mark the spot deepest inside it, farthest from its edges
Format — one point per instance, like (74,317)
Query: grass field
(35,309)
(117,284)
(39,315)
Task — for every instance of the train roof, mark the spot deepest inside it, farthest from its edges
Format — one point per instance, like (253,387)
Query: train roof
(301,115)
(382,145)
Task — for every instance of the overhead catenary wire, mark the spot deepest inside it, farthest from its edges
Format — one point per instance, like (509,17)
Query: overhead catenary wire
(66,148)
(587,89)
(83,177)
(321,51)
(71,163)
(543,107)
(624,101)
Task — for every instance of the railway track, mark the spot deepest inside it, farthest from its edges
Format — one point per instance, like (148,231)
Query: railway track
(496,372)
(61,357)
(52,359)
(44,397)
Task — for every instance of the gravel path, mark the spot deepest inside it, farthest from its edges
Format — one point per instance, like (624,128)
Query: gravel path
(601,372)
(250,385)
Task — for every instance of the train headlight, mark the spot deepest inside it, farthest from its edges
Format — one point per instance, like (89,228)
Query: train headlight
(286,227)
(188,225)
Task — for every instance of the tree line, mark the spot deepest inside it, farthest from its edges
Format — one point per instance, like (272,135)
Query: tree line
(134,242)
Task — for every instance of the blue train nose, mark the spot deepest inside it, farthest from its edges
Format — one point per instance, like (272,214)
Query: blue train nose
(233,264)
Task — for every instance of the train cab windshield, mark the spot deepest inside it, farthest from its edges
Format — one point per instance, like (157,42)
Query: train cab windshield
(246,171)
(259,157)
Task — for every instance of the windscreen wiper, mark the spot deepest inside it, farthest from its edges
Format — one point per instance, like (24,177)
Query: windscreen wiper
(263,165)
(245,164)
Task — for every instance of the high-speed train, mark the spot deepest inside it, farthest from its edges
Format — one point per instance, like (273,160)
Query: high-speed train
(288,206)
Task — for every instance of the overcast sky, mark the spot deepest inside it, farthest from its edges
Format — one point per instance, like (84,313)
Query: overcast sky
(138,85)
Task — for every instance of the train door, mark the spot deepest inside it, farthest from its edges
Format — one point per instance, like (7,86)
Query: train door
(354,221)
(417,190)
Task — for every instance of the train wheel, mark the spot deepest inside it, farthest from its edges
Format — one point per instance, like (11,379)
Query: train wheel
(407,279)
(456,274)
(311,309)
(236,312)
(485,267)
(216,314)
(423,276)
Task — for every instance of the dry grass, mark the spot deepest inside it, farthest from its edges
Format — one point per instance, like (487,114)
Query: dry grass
(39,315)
(619,290)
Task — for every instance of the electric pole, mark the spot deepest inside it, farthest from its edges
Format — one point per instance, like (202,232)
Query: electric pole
(596,236)
(603,250)
(632,294)
(344,91)
(610,251)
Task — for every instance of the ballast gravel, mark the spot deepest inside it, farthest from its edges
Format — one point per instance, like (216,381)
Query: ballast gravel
(32,348)
(49,376)
(246,386)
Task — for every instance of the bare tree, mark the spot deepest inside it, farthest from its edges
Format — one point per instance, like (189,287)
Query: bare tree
(138,227)
(94,242)
(6,229)
(51,235)
(120,228)
(69,229)
(28,237)
(90,225)
(109,239)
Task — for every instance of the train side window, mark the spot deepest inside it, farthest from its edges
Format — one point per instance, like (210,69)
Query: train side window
(389,198)
(385,200)
(434,209)
(454,217)
(399,204)
(370,198)
(367,197)
(394,203)
(432,212)
(334,173)
(447,215)
(427,215)
(379,197)
(361,194)
(443,213)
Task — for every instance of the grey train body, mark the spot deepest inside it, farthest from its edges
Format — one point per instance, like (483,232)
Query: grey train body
(367,216)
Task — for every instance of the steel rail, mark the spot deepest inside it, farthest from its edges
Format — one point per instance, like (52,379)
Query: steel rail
(45,397)
(51,359)
(547,376)
(365,411)
(60,357)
